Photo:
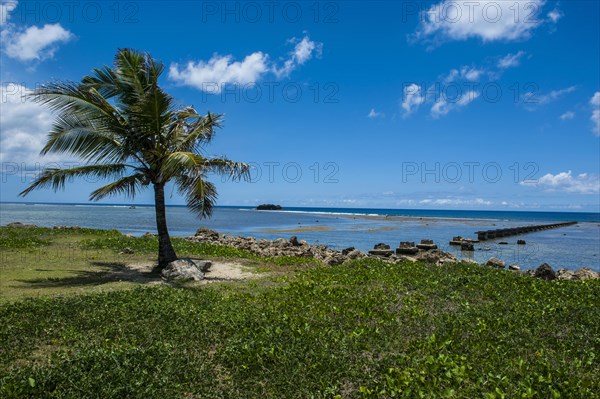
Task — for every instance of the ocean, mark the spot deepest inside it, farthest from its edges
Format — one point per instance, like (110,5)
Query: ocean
(570,247)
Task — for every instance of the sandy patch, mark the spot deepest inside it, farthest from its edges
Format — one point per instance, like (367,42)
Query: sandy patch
(219,271)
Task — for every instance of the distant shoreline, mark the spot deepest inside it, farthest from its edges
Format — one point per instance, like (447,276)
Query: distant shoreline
(383,213)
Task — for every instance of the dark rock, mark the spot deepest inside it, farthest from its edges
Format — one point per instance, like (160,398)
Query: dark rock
(495,262)
(502,243)
(407,250)
(207,233)
(545,272)
(514,268)
(381,252)
(269,207)
(294,241)
(347,250)
(182,270)
(381,246)
(466,246)
(426,245)
(521,242)
(21,225)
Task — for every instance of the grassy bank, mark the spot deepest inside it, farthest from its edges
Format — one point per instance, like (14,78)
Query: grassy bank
(364,329)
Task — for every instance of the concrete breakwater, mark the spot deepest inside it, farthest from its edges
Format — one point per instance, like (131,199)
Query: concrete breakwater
(513,231)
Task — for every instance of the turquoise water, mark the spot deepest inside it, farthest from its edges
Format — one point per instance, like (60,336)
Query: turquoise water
(570,247)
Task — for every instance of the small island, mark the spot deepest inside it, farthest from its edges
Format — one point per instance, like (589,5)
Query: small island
(269,207)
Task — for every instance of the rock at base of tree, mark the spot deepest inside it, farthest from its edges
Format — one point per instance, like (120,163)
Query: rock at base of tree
(495,262)
(545,272)
(185,270)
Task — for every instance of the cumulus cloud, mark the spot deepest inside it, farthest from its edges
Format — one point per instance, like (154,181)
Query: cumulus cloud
(24,126)
(595,102)
(565,182)
(221,70)
(567,116)
(510,60)
(29,43)
(486,20)
(36,43)
(412,98)
(374,114)
(213,74)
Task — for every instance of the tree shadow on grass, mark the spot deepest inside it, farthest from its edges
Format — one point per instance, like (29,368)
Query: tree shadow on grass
(111,272)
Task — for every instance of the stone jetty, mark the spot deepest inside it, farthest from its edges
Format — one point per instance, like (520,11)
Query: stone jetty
(513,231)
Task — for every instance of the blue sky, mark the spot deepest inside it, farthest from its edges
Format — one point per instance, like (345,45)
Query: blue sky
(440,104)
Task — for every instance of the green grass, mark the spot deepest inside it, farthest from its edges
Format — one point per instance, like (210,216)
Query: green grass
(365,329)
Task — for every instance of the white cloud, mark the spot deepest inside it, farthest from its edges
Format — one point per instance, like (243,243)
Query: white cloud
(412,99)
(23,126)
(6,7)
(456,202)
(567,116)
(510,60)
(221,70)
(374,114)
(595,102)
(303,51)
(565,181)
(34,43)
(532,98)
(485,19)
(466,73)
(442,106)
(555,15)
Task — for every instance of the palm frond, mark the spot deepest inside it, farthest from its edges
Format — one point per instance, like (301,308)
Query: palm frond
(128,186)
(200,195)
(231,169)
(56,178)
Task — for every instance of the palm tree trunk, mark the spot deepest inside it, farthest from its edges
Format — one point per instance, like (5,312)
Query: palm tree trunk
(166,253)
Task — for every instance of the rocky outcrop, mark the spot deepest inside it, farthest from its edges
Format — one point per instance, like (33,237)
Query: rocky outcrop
(21,225)
(328,256)
(584,273)
(545,272)
(495,262)
(269,207)
(66,228)
(426,245)
(185,269)
(300,248)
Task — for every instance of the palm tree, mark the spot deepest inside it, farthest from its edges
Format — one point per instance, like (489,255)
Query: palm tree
(123,126)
